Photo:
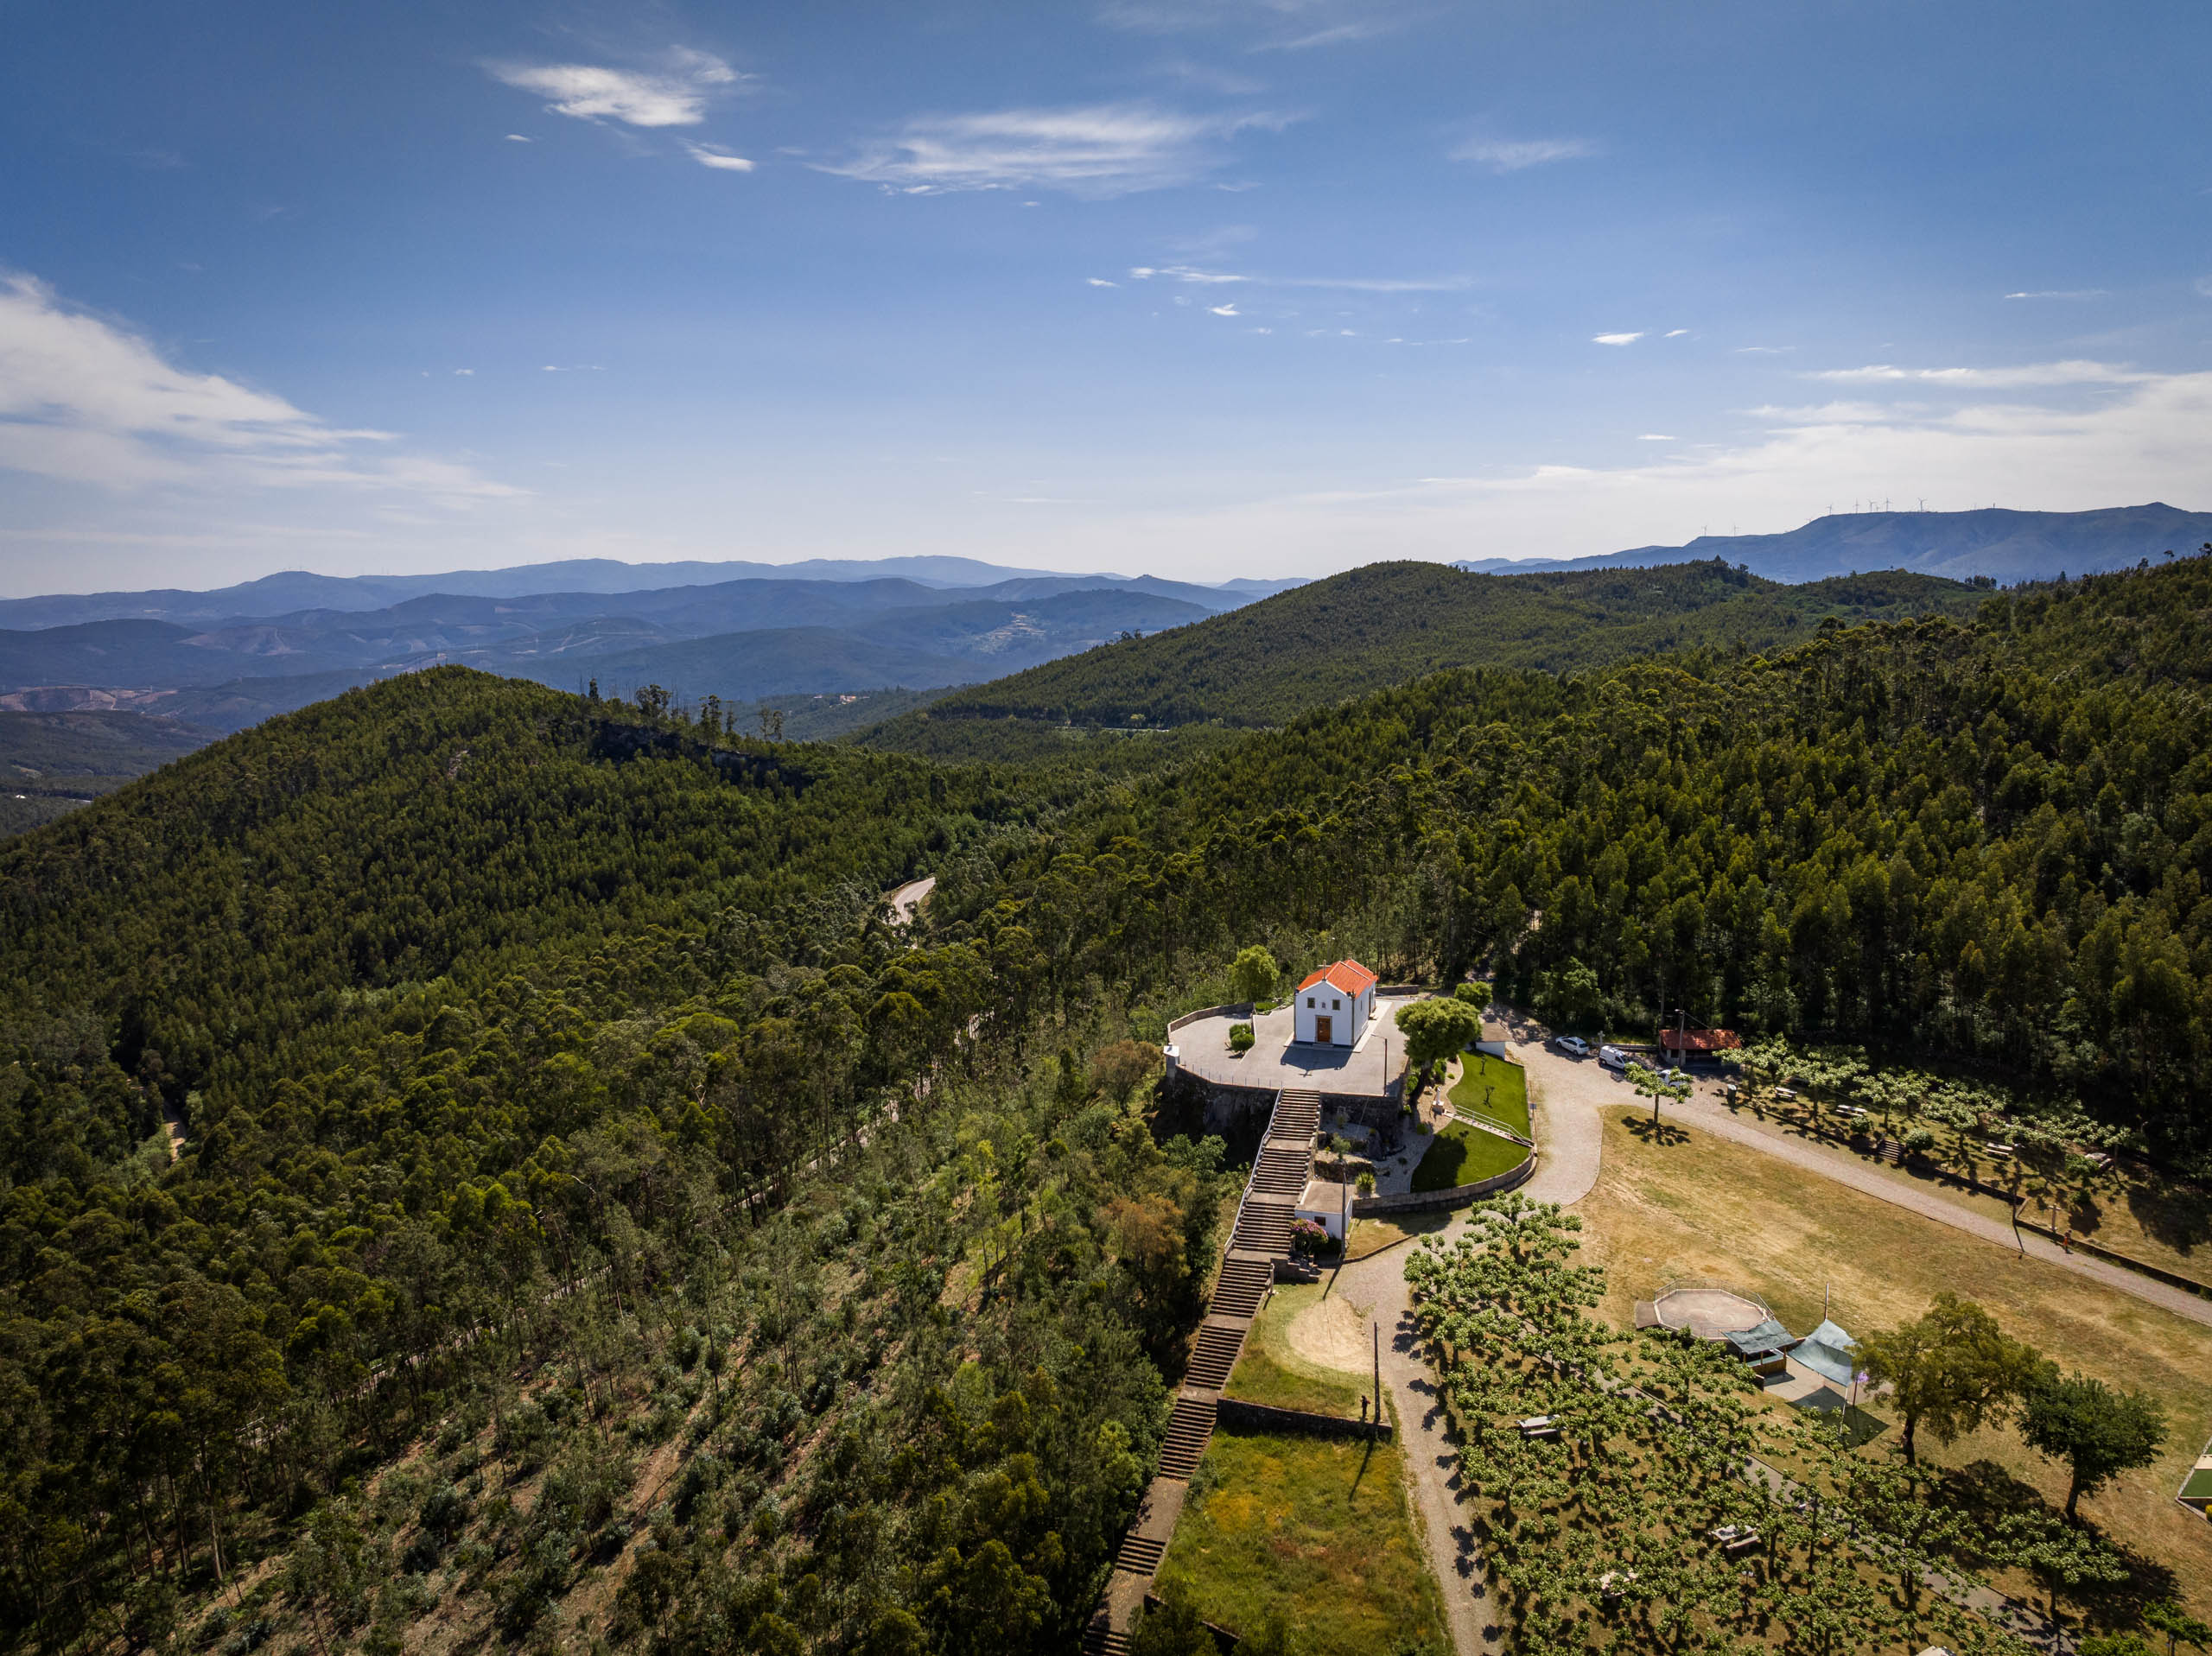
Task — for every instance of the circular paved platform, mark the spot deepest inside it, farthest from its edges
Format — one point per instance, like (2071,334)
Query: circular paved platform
(1710,1313)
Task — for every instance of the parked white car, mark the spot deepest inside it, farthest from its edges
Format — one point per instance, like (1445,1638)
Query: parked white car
(1612,1058)
(1573,1045)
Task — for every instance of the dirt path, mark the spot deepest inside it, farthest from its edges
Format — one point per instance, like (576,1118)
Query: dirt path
(1572,1091)
(1709,1114)
(1375,1287)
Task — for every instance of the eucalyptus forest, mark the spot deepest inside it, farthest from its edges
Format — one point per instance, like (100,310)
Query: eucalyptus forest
(473,1152)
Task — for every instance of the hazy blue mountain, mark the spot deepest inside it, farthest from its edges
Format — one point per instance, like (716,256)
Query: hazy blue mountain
(297,590)
(2009,546)
(749,666)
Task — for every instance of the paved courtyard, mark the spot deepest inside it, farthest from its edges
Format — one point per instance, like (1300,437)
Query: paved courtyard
(1370,1069)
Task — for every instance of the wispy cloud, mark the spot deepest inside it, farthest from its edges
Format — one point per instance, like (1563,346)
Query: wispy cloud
(1615,338)
(517,137)
(1351,285)
(1653,437)
(84,400)
(1517,156)
(1674,333)
(2034,373)
(1184,273)
(1224,310)
(674,96)
(1100,282)
(1099,150)
(2146,442)
(707,155)
(2062,293)
(1280,25)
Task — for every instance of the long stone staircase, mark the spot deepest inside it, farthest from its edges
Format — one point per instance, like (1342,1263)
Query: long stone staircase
(1259,1238)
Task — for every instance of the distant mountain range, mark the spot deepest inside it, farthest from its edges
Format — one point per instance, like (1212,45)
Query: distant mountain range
(230,658)
(2007,546)
(297,590)
(749,632)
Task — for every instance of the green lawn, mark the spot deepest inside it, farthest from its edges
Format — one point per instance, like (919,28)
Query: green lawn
(1462,1154)
(1269,1372)
(1493,1087)
(1316,1528)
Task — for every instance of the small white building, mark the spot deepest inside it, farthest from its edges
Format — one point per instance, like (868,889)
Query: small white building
(1327,1203)
(1331,1007)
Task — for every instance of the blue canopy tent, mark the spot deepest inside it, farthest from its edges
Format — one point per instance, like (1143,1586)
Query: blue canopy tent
(1830,1353)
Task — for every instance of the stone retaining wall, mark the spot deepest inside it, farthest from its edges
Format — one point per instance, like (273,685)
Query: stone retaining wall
(1241,1009)
(1459,1196)
(1262,1417)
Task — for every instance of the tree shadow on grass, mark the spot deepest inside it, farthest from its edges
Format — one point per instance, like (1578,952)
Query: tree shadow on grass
(1985,1494)
(2176,1216)
(1663,1133)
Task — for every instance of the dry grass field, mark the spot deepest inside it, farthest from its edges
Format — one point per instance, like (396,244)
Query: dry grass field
(1686,1204)
(1273,1369)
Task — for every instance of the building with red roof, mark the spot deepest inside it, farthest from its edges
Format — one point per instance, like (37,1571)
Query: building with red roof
(1698,1043)
(1331,1007)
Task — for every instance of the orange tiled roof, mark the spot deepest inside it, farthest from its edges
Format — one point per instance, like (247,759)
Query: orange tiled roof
(1348,977)
(1699,1040)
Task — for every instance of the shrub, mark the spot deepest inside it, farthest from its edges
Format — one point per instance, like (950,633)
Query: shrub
(1310,1238)
(1366,1184)
(1118,1067)
(1240,1038)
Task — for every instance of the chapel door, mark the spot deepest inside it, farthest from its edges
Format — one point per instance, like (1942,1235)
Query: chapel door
(1321,1031)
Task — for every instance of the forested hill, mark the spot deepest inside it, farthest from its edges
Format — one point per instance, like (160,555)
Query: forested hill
(595,1222)
(1389,623)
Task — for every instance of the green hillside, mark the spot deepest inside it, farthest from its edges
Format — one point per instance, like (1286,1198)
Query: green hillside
(51,762)
(1391,623)
(594,1226)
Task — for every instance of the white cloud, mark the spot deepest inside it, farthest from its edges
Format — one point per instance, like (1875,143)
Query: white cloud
(1100,282)
(1615,338)
(591,91)
(1765,349)
(1190,273)
(84,401)
(465,370)
(1224,310)
(707,155)
(2062,293)
(2035,373)
(1353,284)
(1654,437)
(1674,333)
(2146,442)
(1283,25)
(1099,150)
(517,137)
(1516,157)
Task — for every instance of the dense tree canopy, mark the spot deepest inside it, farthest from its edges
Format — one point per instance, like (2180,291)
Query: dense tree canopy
(556,1094)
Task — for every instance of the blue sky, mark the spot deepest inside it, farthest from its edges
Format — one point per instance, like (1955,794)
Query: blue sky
(1204,289)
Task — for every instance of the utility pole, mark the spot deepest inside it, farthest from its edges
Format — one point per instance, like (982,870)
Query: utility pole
(1377,1327)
